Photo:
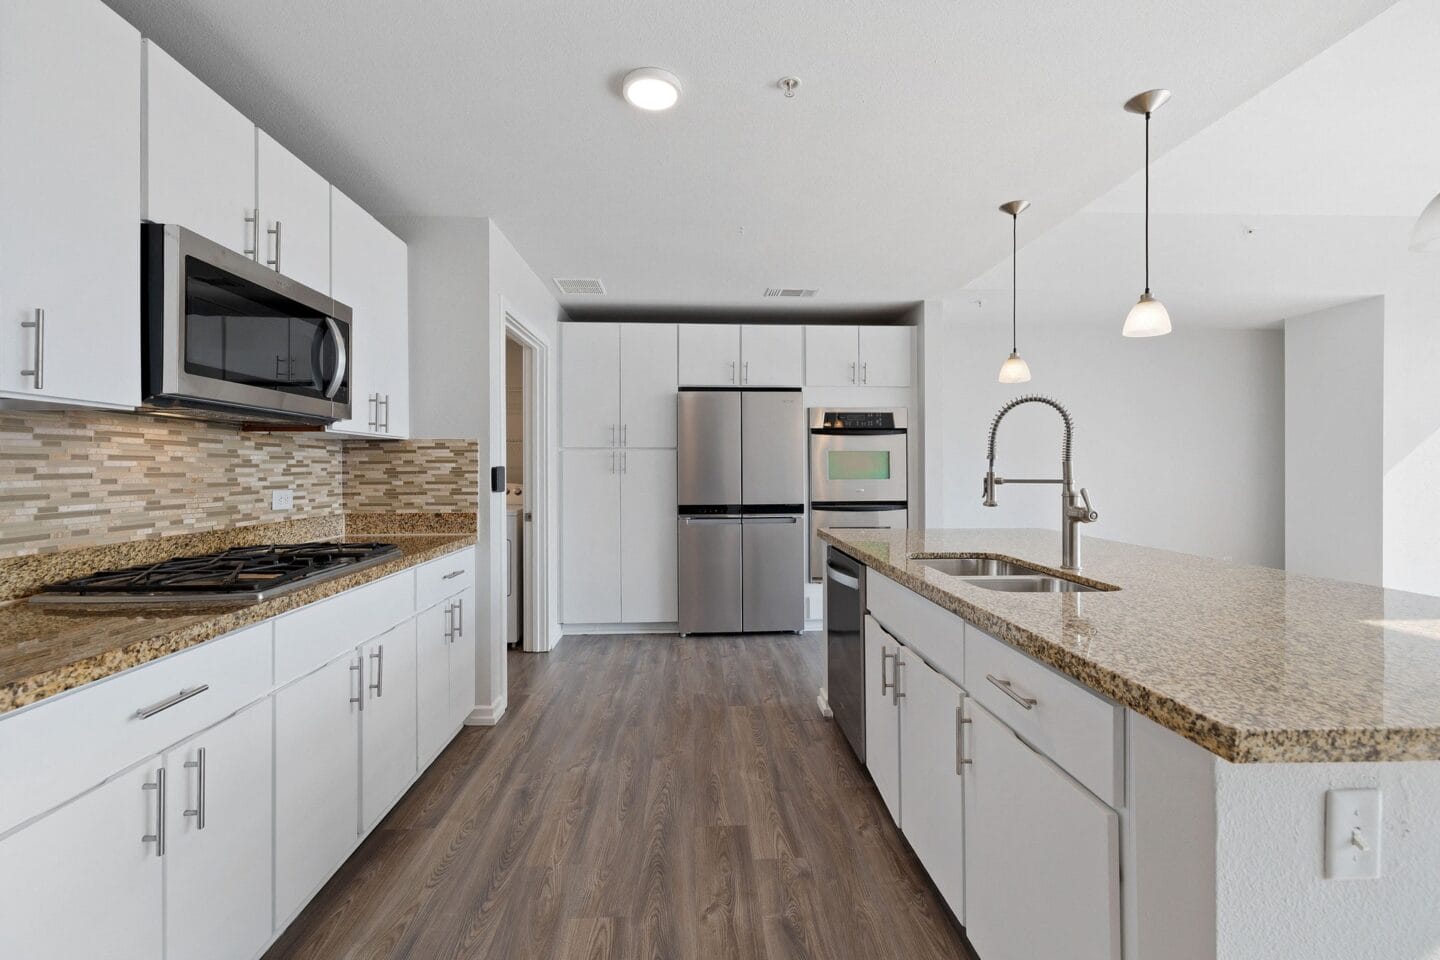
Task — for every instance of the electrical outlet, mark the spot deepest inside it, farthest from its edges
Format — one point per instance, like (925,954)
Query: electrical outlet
(1352,834)
(282,499)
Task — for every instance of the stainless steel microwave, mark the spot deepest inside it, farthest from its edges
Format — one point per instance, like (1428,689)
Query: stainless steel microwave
(225,336)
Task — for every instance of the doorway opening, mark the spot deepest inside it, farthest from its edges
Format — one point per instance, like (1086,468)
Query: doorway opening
(526,490)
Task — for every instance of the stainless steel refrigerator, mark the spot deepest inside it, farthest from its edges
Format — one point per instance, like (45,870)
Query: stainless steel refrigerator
(741,479)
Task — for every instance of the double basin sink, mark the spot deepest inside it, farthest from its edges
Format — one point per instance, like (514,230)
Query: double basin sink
(1003,575)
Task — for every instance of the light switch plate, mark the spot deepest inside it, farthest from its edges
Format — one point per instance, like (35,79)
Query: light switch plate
(282,499)
(1352,834)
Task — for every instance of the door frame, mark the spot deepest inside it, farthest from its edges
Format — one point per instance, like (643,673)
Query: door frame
(535,563)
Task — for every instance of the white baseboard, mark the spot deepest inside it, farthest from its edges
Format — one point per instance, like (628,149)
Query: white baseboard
(606,629)
(486,715)
(824,704)
(814,626)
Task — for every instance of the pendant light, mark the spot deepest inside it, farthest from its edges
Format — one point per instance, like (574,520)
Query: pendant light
(1014,370)
(1426,238)
(1148,318)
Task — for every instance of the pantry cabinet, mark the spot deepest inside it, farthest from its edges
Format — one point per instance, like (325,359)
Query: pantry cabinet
(648,539)
(590,536)
(617,385)
(648,380)
(69,189)
(294,205)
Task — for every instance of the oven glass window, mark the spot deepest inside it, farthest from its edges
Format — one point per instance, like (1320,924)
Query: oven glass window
(858,464)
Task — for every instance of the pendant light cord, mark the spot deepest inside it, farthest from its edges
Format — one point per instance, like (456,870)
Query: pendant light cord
(1147,203)
(1014,278)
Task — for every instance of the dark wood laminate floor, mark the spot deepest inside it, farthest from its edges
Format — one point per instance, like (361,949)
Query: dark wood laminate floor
(645,797)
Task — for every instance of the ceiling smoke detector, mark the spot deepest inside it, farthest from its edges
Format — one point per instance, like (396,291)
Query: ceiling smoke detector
(790,291)
(578,288)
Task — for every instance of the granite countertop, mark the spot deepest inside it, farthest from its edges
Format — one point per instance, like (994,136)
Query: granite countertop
(1254,664)
(45,650)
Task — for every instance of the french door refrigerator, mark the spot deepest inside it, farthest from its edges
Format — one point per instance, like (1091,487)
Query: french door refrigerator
(741,484)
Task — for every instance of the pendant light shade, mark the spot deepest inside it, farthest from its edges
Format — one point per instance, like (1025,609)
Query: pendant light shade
(1014,370)
(1426,238)
(1148,318)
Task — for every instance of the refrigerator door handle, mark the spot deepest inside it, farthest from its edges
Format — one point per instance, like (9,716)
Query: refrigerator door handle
(709,521)
(772,519)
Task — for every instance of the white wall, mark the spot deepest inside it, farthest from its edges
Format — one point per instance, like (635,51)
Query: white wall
(1334,430)
(1179,439)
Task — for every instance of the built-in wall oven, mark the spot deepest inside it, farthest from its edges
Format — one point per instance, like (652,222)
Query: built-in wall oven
(858,474)
(225,335)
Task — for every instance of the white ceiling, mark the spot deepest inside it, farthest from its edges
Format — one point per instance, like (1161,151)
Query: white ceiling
(877,183)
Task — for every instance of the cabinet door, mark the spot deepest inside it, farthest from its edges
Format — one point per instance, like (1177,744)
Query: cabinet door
(294,203)
(882,716)
(772,355)
(432,679)
(832,356)
(709,354)
(226,773)
(648,378)
(392,293)
(463,642)
(387,725)
(69,192)
(647,536)
(886,356)
(80,882)
(590,536)
(932,796)
(590,384)
(1034,836)
(199,156)
(317,779)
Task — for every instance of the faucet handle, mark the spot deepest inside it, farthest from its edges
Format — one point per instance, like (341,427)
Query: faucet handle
(1088,515)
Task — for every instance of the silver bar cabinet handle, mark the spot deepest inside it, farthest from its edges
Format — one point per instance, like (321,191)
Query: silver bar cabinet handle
(1008,689)
(453,574)
(198,813)
(450,622)
(386,403)
(852,372)
(359,684)
(373,406)
(886,655)
(898,693)
(253,220)
(158,837)
(961,761)
(745,378)
(145,713)
(459,619)
(865,372)
(38,370)
(379,684)
(732,371)
(624,434)
(275,232)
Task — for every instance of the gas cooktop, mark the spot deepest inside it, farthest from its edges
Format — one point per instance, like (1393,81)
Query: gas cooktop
(239,575)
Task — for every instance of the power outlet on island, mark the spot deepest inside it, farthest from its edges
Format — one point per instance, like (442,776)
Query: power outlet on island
(1352,834)
(282,499)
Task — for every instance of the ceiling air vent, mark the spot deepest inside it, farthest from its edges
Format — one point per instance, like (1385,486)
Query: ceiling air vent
(575,288)
(790,292)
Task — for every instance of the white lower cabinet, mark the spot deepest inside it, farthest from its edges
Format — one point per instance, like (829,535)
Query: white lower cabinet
(648,540)
(932,791)
(82,882)
(590,536)
(218,826)
(462,657)
(882,716)
(432,679)
(317,779)
(387,723)
(1035,840)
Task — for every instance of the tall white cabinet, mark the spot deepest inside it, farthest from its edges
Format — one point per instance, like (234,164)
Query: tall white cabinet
(69,175)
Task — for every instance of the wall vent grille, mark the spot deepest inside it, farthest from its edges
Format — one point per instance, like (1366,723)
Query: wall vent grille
(790,292)
(576,288)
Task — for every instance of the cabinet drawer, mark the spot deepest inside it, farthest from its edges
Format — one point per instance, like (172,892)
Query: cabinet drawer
(931,631)
(317,634)
(1082,732)
(60,748)
(444,577)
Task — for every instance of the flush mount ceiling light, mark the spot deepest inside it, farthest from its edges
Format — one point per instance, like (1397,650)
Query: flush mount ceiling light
(1148,318)
(1426,238)
(651,88)
(1014,370)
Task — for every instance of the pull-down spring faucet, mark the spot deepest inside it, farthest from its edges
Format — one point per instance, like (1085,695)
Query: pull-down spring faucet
(1072,514)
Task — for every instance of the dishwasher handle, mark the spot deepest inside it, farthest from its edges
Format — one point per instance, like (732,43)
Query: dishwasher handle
(841,577)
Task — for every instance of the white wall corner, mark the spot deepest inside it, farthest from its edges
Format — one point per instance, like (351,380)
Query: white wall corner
(487,715)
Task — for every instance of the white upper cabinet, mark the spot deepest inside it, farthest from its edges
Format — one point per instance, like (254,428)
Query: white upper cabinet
(648,379)
(772,355)
(200,157)
(370,274)
(831,356)
(887,356)
(709,354)
(294,205)
(69,192)
(590,384)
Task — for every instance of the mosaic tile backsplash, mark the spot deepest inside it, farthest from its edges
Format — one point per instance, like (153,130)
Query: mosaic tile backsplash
(404,476)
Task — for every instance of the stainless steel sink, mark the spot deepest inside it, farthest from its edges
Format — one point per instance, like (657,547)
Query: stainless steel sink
(1031,584)
(975,567)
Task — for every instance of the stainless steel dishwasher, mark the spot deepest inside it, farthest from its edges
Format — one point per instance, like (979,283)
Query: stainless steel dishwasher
(845,645)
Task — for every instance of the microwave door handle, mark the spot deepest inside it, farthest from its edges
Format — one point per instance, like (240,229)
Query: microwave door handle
(340,359)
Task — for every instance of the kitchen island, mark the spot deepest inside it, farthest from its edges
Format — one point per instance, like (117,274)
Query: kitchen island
(1182,727)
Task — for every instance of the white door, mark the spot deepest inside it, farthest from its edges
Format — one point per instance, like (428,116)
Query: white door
(69,192)
(648,538)
(294,204)
(432,679)
(648,379)
(590,384)
(887,356)
(932,796)
(392,293)
(1035,836)
(590,536)
(81,882)
(772,355)
(387,726)
(199,156)
(317,779)
(709,354)
(462,657)
(882,716)
(831,355)
(218,893)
